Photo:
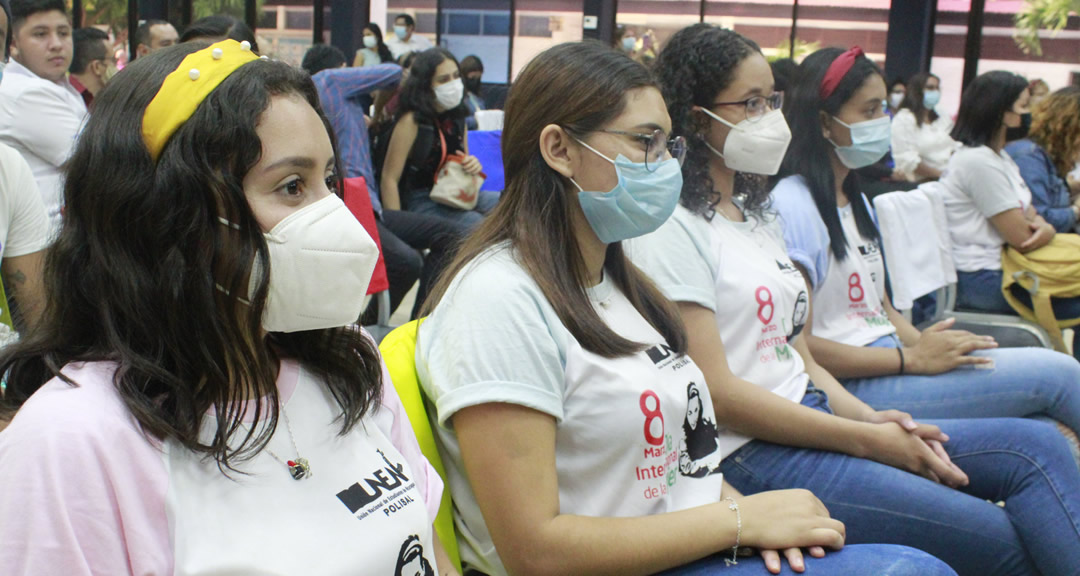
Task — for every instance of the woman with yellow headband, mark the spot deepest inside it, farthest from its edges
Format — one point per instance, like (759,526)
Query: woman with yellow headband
(195,400)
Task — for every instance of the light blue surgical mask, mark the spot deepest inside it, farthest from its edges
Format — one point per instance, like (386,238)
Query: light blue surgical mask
(400,32)
(638,204)
(930,99)
(629,43)
(870,142)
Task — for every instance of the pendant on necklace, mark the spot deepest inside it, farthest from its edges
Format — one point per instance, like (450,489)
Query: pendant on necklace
(299,468)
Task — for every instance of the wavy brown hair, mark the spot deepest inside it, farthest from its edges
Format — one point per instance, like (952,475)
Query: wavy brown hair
(1055,127)
(133,276)
(580,86)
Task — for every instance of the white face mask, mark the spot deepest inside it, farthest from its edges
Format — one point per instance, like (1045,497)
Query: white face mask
(895,99)
(755,147)
(370,42)
(450,94)
(321,261)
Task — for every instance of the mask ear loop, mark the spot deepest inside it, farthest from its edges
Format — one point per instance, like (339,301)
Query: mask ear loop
(594,151)
(718,119)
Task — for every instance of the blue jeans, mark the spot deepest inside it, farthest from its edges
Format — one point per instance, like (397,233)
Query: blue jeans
(420,201)
(1023,382)
(982,291)
(858,560)
(1024,463)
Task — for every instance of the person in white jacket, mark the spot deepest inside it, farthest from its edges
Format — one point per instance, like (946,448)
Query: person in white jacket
(921,145)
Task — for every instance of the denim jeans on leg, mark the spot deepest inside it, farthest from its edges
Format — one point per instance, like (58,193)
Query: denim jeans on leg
(420,202)
(1023,382)
(1024,463)
(858,560)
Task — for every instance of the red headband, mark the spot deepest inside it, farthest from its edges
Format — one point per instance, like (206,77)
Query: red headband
(837,70)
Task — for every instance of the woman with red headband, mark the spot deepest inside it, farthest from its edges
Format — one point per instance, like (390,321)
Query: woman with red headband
(836,115)
(194,400)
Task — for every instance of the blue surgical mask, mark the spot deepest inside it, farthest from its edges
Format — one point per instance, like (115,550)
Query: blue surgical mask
(638,204)
(629,43)
(870,142)
(930,99)
(400,32)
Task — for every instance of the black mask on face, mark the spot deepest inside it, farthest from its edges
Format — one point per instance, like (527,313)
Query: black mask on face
(1021,131)
(472,85)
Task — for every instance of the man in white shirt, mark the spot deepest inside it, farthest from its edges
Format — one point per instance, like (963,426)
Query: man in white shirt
(153,35)
(40,112)
(403,41)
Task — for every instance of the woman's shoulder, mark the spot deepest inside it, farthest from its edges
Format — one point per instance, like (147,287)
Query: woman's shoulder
(904,116)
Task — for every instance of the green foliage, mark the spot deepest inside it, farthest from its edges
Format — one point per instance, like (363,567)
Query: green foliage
(802,50)
(113,13)
(1038,15)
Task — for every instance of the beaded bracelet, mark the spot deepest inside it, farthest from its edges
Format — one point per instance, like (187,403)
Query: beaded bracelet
(738,532)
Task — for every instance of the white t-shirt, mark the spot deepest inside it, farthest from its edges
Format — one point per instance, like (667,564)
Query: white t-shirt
(848,294)
(93,495)
(629,442)
(398,48)
(24,227)
(740,271)
(41,119)
(980,184)
(928,144)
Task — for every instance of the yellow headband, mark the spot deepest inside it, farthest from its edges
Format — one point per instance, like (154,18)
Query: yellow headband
(187,86)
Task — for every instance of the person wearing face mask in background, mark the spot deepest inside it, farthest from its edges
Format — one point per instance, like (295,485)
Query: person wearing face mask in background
(784,422)
(472,71)
(404,39)
(897,91)
(987,202)
(375,51)
(92,63)
(558,372)
(838,125)
(430,125)
(921,145)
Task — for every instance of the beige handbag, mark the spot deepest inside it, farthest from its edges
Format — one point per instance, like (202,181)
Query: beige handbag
(453,186)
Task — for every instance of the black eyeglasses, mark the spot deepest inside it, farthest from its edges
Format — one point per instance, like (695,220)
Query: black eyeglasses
(656,144)
(757,106)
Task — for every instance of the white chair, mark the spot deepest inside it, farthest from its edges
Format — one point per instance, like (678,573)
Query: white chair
(489,120)
(918,251)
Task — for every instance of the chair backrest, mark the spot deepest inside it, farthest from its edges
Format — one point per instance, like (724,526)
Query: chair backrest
(489,119)
(487,147)
(399,352)
(358,201)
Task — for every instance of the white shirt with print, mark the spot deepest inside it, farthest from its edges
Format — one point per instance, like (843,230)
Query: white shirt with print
(740,271)
(635,435)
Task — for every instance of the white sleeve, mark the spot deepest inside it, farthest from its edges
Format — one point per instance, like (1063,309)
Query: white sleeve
(54,144)
(905,142)
(28,227)
(676,257)
(492,338)
(985,180)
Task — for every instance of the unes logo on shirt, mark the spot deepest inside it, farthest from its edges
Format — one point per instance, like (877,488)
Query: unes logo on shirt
(663,356)
(386,490)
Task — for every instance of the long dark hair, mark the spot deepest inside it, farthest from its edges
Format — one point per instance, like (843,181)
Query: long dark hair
(698,63)
(580,86)
(418,95)
(809,153)
(132,278)
(914,96)
(219,27)
(381,48)
(984,104)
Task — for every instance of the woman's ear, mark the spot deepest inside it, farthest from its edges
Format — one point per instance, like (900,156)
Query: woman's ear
(826,124)
(555,147)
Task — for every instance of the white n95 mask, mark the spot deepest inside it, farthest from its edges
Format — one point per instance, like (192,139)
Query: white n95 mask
(756,147)
(321,261)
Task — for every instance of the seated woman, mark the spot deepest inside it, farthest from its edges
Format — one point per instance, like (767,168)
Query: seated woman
(472,72)
(838,125)
(577,433)
(430,124)
(217,276)
(785,422)
(987,202)
(1047,155)
(921,145)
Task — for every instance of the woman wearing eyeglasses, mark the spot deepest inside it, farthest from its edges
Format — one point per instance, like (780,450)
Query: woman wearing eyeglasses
(784,421)
(563,399)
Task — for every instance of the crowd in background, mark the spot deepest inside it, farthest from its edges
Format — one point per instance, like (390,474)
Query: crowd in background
(667,346)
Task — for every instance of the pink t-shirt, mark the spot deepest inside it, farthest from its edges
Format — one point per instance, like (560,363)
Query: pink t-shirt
(84,491)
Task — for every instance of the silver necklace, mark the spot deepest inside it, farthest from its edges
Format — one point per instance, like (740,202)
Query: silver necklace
(299,468)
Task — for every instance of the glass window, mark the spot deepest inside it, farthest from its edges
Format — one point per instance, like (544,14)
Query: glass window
(652,22)
(950,33)
(1057,64)
(767,22)
(298,19)
(479,28)
(289,36)
(110,17)
(844,23)
(268,19)
(542,24)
